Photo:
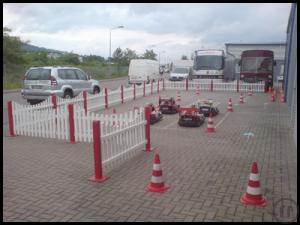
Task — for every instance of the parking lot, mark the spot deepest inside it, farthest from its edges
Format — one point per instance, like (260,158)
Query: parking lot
(47,180)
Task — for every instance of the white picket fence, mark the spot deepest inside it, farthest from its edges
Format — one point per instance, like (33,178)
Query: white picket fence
(215,85)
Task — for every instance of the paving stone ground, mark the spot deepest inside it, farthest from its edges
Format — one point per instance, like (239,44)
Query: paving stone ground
(47,179)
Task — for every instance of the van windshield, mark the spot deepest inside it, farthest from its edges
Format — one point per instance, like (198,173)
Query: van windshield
(38,74)
(181,70)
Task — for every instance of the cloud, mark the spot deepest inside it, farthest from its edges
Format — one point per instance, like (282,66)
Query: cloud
(176,28)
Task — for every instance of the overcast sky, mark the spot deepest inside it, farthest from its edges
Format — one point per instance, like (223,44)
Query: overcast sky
(172,29)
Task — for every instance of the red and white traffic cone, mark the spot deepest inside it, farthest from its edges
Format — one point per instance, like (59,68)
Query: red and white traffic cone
(272,97)
(198,90)
(282,97)
(241,99)
(178,97)
(210,125)
(157,184)
(250,92)
(253,194)
(229,107)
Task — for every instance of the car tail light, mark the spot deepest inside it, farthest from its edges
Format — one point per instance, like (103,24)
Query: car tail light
(53,80)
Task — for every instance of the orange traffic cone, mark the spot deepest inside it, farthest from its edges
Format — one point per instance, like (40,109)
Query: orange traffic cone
(157,184)
(253,194)
(241,99)
(210,125)
(178,97)
(229,107)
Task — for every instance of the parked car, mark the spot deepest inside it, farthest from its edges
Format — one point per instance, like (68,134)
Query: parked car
(67,82)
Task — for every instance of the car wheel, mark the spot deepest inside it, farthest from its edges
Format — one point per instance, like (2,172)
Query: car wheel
(96,90)
(68,94)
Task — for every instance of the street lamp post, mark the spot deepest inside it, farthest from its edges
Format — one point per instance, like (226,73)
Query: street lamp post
(114,28)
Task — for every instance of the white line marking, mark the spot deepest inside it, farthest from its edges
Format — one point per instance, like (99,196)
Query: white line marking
(222,119)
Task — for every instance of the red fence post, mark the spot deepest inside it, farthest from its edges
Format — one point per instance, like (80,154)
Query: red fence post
(186,85)
(158,86)
(147,128)
(134,91)
(163,84)
(238,86)
(151,87)
(85,101)
(211,86)
(11,132)
(71,123)
(106,99)
(98,177)
(54,101)
(144,90)
(122,94)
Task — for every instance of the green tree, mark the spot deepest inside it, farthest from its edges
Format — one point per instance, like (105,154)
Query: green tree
(12,48)
(184,57)
(128,55)
(117,55)
(149,54)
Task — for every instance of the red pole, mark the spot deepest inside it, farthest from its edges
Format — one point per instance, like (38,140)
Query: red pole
(71,123)
(238,86)
(211,85)
(147,128)
(158,86)
(186,84)
(106,100)
(133,91)
(122,94)
(144,90)
(98,177)
(54,101)
(163,84)
(85,101)
(151,87)
(10,120)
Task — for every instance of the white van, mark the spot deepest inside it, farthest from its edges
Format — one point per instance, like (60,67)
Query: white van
(141,70)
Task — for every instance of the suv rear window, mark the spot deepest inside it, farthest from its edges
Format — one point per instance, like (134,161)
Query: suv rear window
(38,74)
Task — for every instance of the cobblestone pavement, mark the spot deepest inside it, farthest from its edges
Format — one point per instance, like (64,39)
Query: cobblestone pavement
(47,180)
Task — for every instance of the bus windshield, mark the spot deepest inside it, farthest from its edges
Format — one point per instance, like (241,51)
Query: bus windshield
(257,64)
(209,62)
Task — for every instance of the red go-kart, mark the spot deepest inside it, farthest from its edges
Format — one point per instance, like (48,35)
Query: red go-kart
(168,105)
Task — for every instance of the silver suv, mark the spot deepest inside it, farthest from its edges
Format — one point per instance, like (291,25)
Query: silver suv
(66,82)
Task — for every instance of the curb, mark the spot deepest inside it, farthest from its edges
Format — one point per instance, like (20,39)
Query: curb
(11,91)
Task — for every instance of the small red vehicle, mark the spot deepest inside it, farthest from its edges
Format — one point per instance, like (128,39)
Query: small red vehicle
(190,117)
(156,114)
(168,105)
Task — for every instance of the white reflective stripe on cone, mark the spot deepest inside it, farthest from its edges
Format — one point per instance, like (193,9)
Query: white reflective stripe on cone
(254,177)
(156,180)
(253,191)
(156,167)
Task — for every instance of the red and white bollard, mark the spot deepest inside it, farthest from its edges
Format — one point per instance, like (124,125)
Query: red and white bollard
(71,123)
(11,132)
(147,128)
